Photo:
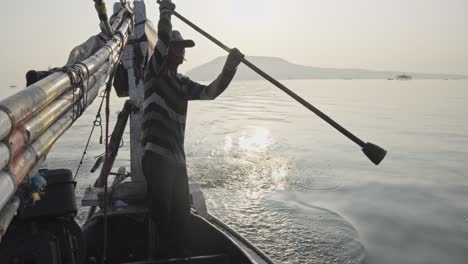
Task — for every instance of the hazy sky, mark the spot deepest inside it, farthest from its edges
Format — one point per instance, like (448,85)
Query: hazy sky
(408,35)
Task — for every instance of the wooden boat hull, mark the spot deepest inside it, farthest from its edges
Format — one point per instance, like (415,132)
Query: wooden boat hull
(132,238)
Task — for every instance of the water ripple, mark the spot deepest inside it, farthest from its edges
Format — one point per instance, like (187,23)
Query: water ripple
(287,230)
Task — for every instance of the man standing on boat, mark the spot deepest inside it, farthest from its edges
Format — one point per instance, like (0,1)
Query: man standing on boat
(167,93)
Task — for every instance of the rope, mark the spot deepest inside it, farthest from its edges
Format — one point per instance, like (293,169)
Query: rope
(101,11)
(86,92)
(106,155)
(96,122)
(77,79)
(106,164)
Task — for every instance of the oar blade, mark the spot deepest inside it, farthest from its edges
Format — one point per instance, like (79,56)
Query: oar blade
(375,153)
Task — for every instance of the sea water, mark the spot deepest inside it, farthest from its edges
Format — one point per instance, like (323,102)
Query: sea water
(304,193)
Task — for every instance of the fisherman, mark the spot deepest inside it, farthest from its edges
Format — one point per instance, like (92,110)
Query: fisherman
(167,93)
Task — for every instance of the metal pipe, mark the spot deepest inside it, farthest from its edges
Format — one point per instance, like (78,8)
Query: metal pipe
(108,28)
(18,140)
(35,126)
(117,9)
(6,124)
(7,187)
(4,155)
(95,61)
(7,214)
(22,105)
(46,140)
(39,123)
(35,169)
(22,163)
(99,81)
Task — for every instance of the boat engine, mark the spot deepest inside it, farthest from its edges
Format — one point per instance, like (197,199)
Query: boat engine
(44,231)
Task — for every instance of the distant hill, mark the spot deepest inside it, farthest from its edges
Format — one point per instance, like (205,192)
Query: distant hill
(284,70)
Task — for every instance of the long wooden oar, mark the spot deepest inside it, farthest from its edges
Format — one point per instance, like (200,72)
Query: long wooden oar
(375,153)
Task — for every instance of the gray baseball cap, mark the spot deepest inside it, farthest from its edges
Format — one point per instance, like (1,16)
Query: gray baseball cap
(178,40)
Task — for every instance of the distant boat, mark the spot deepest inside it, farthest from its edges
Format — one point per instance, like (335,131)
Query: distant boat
(390,79)
(404,77)
(12,86)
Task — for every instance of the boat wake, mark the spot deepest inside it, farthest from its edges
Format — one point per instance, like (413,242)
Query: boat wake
(287,230)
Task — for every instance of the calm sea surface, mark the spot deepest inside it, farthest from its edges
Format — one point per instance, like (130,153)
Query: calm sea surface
(303,192)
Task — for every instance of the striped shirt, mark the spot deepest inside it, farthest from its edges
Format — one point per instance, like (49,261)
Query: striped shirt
(166,99)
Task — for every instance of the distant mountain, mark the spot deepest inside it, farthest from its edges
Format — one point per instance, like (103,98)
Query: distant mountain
(284,70)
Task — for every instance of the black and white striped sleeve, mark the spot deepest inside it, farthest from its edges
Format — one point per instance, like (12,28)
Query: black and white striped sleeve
(197,91)
(162,44)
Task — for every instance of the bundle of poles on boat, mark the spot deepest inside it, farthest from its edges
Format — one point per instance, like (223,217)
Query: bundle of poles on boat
(32,120)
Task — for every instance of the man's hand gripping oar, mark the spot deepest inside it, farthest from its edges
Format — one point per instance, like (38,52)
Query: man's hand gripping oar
(375,153)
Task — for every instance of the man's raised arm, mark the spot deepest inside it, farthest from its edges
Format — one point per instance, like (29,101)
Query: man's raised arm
(196,91)
(164,34)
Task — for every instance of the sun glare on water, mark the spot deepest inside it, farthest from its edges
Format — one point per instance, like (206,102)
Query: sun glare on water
(258,141)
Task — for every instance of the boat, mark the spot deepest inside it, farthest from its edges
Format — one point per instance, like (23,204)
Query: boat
(404,77)
(38,206)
